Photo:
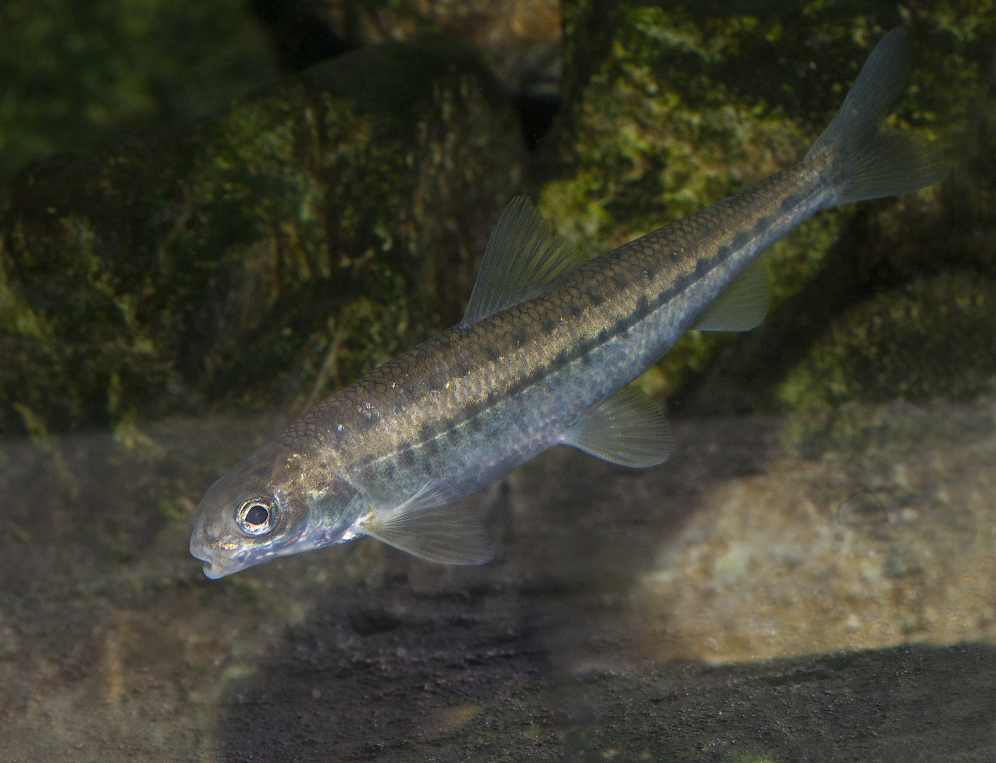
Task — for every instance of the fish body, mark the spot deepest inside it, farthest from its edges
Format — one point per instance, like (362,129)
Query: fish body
(542,356)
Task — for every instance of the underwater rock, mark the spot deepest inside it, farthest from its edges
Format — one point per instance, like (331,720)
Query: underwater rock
(80,77)
(930,339)
(520,39)
(626,610)
(263,256)
(668,109)
(597,631)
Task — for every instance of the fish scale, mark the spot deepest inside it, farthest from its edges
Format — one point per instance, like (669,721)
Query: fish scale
(525,367)
(543,356)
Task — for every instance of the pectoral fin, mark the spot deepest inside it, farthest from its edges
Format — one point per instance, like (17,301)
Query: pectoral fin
(743,305)
(432,527)
(628,429)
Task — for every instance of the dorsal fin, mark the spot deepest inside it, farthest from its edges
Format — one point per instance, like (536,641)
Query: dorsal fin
(523,256)
(628,429)
(743,305)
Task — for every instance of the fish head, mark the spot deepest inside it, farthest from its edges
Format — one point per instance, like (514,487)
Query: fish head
(268,505)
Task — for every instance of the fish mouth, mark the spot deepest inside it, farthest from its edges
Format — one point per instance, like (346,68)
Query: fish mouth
(215,568)
(213,573)
(212,568)
(216,565)
(220,562)
(208,544)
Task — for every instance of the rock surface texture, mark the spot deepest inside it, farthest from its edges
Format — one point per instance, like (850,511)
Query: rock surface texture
(810,577)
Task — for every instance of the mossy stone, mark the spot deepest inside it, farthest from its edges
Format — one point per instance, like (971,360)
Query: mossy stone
(930,339)
(81,77)
(672,107)
(261,257)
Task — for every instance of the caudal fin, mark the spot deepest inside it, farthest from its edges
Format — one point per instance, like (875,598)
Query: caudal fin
(865,162)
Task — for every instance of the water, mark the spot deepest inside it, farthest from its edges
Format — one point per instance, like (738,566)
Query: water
(810,577)
(720,601)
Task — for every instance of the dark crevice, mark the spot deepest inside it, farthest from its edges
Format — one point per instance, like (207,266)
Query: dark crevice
(301,37)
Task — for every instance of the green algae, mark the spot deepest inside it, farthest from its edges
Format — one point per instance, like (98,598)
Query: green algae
(672,107)
(204,269)
(929,339)
(82,76)
(260,257)
(273,253)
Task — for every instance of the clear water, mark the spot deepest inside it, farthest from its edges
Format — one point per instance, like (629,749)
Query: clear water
(749,600)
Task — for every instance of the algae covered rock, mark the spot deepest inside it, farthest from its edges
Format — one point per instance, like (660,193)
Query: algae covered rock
(276,252)
(81,76)
(671,107)
(930,339)
(262,256)
(520,39)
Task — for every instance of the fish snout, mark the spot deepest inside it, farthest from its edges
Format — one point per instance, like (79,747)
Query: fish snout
(206,542)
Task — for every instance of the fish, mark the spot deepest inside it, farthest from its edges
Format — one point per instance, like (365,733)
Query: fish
(544,355)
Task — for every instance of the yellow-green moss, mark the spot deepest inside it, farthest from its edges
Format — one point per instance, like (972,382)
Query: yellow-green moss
(80,76)
(930,339)
(261,257)
(670,108)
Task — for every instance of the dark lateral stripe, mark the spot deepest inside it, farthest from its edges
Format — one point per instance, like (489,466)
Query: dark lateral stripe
(645,306)
(790,203)
(762,225)
(582,352)
(741,239)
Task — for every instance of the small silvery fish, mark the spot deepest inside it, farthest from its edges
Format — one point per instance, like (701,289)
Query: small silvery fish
(542,356)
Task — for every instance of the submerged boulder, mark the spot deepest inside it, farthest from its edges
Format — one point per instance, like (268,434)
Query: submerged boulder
(670,108)
(262,256)
(274,253)
(80,77)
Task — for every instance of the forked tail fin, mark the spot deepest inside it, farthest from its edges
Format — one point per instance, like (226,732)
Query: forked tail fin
(863,161)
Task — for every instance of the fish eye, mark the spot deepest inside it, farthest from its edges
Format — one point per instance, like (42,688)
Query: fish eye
(256,517)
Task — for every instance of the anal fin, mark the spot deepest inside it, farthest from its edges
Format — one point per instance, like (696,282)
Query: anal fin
(627,429)
(743,305)
(431,526)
